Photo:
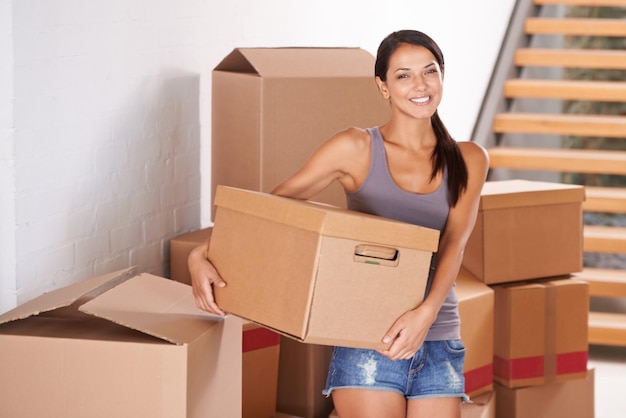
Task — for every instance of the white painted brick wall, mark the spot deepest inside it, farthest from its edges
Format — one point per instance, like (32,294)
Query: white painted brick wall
(110,100)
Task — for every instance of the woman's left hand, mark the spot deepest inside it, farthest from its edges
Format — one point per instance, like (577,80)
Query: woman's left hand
(408,333)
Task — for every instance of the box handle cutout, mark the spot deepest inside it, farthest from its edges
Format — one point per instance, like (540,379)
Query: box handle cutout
(376,254)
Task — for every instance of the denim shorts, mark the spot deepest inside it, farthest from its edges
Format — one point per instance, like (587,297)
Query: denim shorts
(435,371)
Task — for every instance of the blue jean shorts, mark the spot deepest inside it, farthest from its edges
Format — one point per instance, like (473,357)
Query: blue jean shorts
(435,371)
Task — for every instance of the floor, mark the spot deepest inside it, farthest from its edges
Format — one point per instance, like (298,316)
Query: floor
(610,380)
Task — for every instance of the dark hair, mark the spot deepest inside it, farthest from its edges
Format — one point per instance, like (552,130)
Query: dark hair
(446,152)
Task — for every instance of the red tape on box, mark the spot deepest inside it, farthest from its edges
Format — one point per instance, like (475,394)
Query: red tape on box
(257,338)
(478,378)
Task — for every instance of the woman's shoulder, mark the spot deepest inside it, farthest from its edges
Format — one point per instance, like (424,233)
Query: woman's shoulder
(351,138)
(473,152)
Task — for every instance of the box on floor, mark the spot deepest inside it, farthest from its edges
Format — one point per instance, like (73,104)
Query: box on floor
(571,399)
(312,271)
(476,309)
(119,345)
(261,347)
(484,406)
(541,331)
(272,107)
(302,375)
(526,230)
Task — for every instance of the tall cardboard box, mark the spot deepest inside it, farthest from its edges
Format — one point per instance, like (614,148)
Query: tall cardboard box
(541,332)
(119,345)
(476,309)
(272,107)
(180,248)
(571,399)
(261,350)
(302,373)
(316,272)
(526,230)
(260,346)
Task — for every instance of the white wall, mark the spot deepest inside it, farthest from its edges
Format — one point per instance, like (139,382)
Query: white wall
(105,114)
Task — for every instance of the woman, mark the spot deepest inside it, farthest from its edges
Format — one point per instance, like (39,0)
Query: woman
(409,169)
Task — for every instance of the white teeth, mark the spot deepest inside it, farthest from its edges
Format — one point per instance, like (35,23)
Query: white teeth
(421,99)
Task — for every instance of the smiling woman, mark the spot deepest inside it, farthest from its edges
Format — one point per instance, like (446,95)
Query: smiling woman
(412,170)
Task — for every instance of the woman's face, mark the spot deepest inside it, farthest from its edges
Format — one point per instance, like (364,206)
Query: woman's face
(414,83)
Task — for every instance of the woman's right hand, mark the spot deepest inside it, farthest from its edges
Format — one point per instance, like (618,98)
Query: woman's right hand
(204,276)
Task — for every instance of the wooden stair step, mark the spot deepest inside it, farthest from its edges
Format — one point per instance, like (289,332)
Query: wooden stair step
(607,328)
(606,126)
(604,239)
(605,199)
(573,26)
(604,282)
(597,3)
(611,59)
(565,160)
(607,91)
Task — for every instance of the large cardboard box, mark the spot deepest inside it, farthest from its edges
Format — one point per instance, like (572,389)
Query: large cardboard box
(180,247)
(541,332)
(526,230)
(571,399)
(315,272)
(261,347)
(119,345)
(483,406)
(302,373)
(476,308)
(272,107)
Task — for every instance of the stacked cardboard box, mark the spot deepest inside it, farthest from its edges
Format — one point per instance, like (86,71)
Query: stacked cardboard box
(526,243)
(272,107)
(260,346)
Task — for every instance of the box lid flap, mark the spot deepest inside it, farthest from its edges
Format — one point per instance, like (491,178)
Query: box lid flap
(154,305)
(518,193)
(66,296)
(327,220)
(300,62)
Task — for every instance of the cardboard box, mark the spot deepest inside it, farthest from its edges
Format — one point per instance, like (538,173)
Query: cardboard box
(483,406)
(541,332)
(261,347)
(315,272)
(476,308)
(302,373)
(526,230)
(119,345)
(272,107)
(571,399)
(261,350)
(180,247)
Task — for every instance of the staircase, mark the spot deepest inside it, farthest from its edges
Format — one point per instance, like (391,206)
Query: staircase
(542,155)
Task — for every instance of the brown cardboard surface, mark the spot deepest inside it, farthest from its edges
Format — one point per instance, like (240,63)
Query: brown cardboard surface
(302,375)
(180,247)
(541,331)
(526,230)
(483,406)
(260,346)
(155,355)
(272,107)
(261,350)
(571,399)
(476,308)
(291,265)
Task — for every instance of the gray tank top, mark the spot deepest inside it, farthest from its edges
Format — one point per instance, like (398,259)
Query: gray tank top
(380,195)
